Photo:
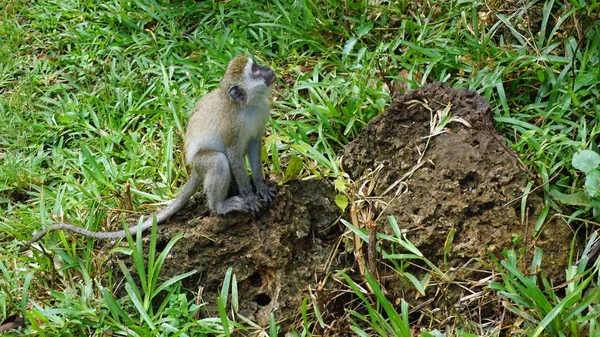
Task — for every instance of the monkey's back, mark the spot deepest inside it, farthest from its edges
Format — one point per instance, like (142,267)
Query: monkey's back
(207,125)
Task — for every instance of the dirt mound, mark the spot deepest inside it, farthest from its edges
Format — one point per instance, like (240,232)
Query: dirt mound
(464,180)
(274,257)
(467,180)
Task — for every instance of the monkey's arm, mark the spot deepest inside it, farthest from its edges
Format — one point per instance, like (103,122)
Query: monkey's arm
(237,164)
(262,190)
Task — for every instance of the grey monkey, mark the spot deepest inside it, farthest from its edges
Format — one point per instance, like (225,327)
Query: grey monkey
(226,125)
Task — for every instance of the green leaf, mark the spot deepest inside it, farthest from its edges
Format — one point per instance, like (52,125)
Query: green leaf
(364,29)
(132,292)
(340,184)
(586,160)
(541,219)
(575,199)
(558,309)
(223,315)
(415,283)
(402,239)
(272,326)
(234,294)
(349,45)
(401,326)
(524,201)
(361,234)
(172,281)
(293,168)
(94,167)
(24,296)
(341,201)
(225,288)
(114,307)
(304,311)
(592,183)
(318,314)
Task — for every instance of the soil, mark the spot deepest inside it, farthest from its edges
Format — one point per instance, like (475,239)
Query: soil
(274,256)
(470,183)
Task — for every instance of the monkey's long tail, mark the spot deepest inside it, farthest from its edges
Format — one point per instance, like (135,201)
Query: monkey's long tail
(187,190)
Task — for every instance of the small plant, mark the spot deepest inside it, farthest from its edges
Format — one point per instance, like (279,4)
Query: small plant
(588,162)
(391,323)
(569,309)
(149,316)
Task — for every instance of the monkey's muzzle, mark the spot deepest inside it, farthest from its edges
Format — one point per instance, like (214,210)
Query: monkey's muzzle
(270,77)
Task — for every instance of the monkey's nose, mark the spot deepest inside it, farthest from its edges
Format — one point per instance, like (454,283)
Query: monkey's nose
(270,78)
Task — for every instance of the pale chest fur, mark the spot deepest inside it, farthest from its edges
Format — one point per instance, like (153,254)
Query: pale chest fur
(252,121)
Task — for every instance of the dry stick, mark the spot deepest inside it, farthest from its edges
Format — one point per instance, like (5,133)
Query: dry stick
(127,194)
(357,241)
(12,322)
(524,266)
(371,252)
(190,29)
(384,78)
(199,301)
(333,252)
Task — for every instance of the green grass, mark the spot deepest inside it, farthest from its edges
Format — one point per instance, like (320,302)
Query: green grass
(94,96)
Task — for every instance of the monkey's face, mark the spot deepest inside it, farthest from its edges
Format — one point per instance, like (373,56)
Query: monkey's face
(258,76)
(247,81)
(264,73)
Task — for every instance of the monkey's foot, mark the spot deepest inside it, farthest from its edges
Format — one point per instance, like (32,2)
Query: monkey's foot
(252,202)
(231,205)
(265,193)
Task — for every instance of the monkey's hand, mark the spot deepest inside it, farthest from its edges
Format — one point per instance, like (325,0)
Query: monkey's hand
(265,192)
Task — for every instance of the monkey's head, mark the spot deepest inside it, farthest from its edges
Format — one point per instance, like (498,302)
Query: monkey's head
(245,80)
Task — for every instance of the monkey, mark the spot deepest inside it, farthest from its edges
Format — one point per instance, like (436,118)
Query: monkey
(226,125)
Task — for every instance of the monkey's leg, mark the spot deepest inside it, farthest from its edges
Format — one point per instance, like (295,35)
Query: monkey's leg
(262,190)
(237,165)
(217,179)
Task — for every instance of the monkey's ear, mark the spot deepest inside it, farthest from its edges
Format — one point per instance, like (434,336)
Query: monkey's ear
(238,94)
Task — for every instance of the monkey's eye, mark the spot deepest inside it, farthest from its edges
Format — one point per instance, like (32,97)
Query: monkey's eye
(255,68)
